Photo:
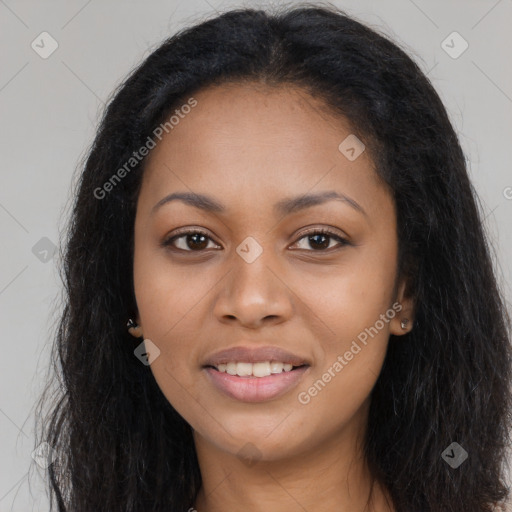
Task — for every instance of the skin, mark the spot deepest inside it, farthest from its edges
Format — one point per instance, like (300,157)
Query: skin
(249,146)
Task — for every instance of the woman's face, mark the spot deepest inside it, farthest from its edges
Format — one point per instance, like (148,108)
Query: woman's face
(260,279)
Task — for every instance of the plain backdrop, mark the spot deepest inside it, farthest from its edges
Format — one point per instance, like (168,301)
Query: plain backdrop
(50,107)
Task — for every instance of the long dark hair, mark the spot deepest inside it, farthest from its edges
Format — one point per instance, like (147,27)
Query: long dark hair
(121,445)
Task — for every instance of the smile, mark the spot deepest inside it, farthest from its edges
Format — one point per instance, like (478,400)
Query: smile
(255,382)
(259,369)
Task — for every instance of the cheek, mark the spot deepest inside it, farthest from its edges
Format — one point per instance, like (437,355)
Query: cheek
(171,300)
(167,293)
(353,303)
(350,362)
(350,296)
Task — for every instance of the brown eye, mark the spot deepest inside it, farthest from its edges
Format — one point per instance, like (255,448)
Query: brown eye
(189,241)
(320,240)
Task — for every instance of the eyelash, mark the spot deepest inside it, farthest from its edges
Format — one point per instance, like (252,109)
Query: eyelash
(168,242)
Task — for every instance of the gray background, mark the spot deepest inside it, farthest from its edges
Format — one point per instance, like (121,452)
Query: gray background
(49,112)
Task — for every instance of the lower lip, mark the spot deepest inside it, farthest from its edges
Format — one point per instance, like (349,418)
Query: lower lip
(256,389)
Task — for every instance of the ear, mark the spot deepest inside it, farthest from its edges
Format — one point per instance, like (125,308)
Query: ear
(403,321)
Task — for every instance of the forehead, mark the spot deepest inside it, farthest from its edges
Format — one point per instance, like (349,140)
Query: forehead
(256,115)
(251,142)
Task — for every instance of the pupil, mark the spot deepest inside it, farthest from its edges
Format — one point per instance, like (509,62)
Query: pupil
(201,244)
(323,245)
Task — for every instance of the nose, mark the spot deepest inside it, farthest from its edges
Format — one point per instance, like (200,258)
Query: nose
(254,293)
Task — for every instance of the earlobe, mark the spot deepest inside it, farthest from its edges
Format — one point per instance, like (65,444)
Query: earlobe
(134,328)
(402,323)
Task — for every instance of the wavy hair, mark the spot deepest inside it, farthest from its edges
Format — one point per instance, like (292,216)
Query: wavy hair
(121,444)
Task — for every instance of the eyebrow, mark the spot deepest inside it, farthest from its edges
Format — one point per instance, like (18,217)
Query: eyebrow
(283,207)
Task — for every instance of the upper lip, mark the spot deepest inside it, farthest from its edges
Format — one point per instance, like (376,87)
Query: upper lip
(254,355)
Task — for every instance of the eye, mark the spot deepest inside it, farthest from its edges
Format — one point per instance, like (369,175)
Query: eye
(196,240)
(188,241)
(320,239)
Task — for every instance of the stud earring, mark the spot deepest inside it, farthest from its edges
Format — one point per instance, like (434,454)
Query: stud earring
(403,323)
(134,329)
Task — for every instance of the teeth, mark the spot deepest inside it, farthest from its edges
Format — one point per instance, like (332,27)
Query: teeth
(243,369)
(262,369)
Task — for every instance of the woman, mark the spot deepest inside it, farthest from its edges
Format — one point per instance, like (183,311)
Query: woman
(279,293)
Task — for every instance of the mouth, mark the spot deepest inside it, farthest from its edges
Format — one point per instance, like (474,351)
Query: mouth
(255,382)
(259,369)
(255,373)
